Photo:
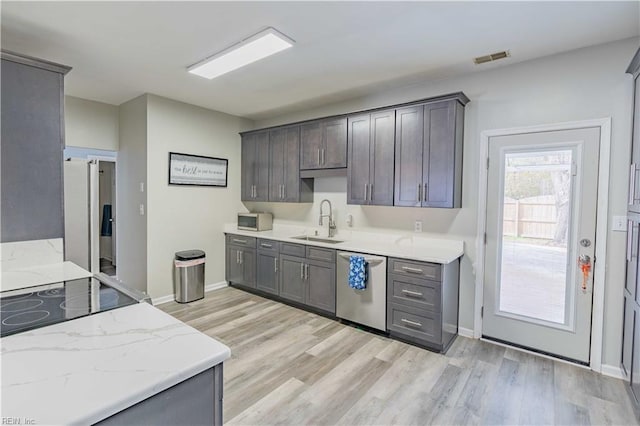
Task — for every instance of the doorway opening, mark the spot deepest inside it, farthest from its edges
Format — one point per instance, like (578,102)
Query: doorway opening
(106,209)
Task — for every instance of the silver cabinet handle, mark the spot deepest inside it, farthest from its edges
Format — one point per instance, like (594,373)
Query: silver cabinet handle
(266,245)
(365,192)
(370,192)
(275,264)
(239,241)
(238,256)
(412,270)
(629,232)
(319,163)
(418,192)
(425,194)
(412,293)
(323,156)
(241,256)
(302,271)
(412,323)
(306,271)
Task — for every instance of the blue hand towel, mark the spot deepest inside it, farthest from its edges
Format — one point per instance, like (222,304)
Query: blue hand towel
(105,229)
(357,273)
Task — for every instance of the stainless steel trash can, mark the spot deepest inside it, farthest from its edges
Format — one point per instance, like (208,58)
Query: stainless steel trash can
(188,276)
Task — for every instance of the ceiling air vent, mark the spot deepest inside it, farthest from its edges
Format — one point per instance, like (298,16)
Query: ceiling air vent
(492,57)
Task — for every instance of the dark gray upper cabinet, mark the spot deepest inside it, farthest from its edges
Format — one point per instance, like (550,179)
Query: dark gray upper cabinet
(370,177)
(429,155)
(31,151)
(323,144)
(255,166)
(285,184)
(634,175)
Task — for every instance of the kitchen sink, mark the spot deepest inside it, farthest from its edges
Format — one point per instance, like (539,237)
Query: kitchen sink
(317,239)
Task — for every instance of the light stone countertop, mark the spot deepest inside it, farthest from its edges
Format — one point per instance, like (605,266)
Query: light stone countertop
(410,246)
(87,369)
(40,275)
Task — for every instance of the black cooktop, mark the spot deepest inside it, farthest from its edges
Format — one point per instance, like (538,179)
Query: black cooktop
(22,310)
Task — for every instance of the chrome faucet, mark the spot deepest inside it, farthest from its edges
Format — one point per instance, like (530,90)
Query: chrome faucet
(332,224)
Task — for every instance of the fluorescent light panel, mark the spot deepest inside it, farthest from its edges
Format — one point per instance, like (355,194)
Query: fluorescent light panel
(252,49)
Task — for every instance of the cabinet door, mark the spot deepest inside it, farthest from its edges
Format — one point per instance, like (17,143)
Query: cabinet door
(234,272)
(409,147)
(382,149)
(292,278)
(277,142)
(267,272)
(439,154)
(310,145)
(321,285)
(255,167)
(634,177)
(248,265)
(627,334)
(291,165)
(635,361)
(334,154)
(633,240)
(359,128)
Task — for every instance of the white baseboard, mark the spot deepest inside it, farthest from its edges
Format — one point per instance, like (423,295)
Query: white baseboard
(465,332)
(612,371)
(171,297)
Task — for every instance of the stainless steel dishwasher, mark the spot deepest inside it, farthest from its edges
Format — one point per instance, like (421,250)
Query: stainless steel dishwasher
(368,306)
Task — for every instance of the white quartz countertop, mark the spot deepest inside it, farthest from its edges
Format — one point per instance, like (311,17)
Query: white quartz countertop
(33,276)
(406,246)
(87,369)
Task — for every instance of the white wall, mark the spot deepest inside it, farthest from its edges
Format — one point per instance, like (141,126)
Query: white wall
(583,84)
(188,217)
(90,124)
(131,170)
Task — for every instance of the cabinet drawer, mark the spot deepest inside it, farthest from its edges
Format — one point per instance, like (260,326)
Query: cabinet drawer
(268,245)
(422,294)
(318,253)
(292,249)
(242,241)
(431,271)
(424,325)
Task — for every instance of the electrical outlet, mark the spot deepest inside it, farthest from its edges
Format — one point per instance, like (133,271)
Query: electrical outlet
(417,226)
(619,223)
(141,209)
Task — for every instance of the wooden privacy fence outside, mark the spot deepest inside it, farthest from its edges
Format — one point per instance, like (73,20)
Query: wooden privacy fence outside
(533,217)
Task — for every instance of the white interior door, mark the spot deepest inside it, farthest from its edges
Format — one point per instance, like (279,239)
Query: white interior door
(541,216)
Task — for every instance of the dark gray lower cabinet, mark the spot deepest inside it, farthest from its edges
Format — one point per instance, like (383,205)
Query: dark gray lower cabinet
(240,261)
(267,266)
(195,401)
(310,282)
(292,278)
(422,302)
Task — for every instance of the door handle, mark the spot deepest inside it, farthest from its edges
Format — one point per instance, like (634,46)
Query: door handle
(412,293)
(584,261)
(412,270)
(412,323)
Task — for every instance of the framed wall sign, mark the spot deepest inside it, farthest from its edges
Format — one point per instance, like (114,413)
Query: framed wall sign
(186,169)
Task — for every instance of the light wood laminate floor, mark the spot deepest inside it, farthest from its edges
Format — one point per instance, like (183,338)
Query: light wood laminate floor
(293,367)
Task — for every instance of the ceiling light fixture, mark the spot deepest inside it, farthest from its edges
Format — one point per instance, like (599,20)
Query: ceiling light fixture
(252,49)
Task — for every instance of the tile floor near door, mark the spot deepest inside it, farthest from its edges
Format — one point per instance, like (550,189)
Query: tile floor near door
(289,366)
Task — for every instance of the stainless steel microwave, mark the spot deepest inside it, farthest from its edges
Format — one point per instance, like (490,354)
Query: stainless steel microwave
(255,221)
